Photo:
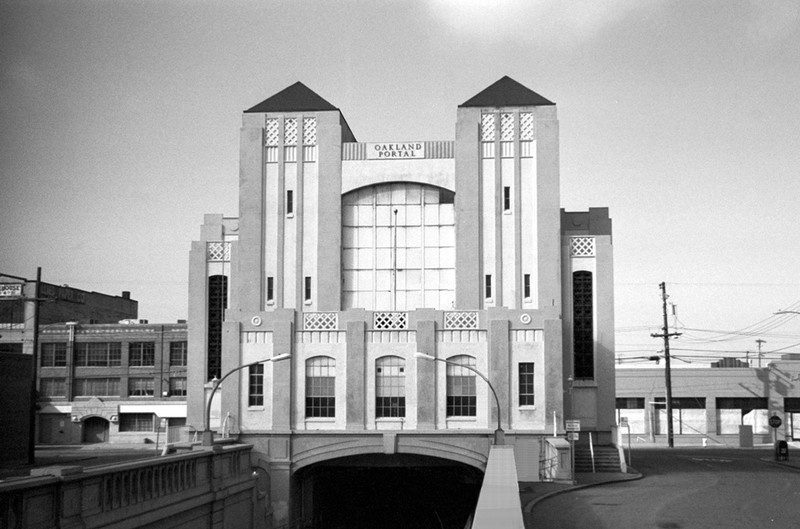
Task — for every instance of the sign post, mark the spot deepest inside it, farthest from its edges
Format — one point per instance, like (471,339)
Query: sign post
(573,426)
(623,421)
(775,422)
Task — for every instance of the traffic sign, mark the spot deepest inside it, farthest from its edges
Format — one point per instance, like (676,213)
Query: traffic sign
(573,426)
(623,421)
(775,421)
(572,436)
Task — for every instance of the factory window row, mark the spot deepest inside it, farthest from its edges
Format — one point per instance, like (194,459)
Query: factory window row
(109,354)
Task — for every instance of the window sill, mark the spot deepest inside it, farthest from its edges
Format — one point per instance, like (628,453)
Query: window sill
(527,407)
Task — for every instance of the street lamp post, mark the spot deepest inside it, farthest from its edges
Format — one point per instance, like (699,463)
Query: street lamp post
(208,435)
(499,434)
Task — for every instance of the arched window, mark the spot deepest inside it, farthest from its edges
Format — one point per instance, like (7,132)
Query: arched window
(390,387)
(320,387)
(461,396)
(582,325)
(217,303)
(398,247)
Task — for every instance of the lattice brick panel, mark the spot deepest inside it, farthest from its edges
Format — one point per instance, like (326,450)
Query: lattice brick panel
(460,320)
(309,131)
(582,247)
(506,127)
(487,127)
(290,131)
(218,251)
(526,126)
(272,132)
(390,320)
(320,321)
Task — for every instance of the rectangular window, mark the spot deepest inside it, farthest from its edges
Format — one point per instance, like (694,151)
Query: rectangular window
(526,397)
(13,348)
(136,422)
(526,286)
(736,411)
(91,354)
(141,387)
(52,387)
(177,386)
(321,387)
(390,387)
(177,353)
(270,289)
(100,387)
(582,325)
(307,290)
(54,355)
(142,354)
(289,202)
(256,386)
(688,415)
(488,286)
(632,409)
(507,199)
(461,392)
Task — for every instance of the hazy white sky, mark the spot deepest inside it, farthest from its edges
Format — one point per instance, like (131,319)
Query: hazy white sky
(121,121)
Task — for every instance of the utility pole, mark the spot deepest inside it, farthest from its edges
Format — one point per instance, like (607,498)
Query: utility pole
(32,430)
(759,342)
(666,335)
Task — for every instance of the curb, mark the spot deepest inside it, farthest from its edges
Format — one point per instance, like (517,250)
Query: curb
(531,504)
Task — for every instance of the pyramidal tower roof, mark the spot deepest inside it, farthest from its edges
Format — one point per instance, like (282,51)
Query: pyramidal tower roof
(507,93)
(295,98)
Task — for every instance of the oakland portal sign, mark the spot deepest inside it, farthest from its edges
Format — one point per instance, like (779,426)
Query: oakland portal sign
(395,151)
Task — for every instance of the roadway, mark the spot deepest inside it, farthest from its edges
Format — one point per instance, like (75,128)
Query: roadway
(684,488)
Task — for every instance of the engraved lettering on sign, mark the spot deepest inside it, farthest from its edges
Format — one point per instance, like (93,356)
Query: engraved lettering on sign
(395,151)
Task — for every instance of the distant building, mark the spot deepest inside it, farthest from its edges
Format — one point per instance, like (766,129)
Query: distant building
(102,374)
(115,383)
(354,256)
(58,304)
(709,405)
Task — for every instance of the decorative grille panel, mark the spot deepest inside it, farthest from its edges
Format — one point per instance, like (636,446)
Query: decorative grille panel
(526,126)
(290,131)
(460,320)
(219,251)
(506,127)
(272,155)
(273,130)
(390,320)
(309,131)
(320,321)
(582,247)
(487,127)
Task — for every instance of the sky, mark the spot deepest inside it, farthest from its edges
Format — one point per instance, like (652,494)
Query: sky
(120,124)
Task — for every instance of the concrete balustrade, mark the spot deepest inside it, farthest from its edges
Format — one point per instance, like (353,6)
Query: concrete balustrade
(204,488)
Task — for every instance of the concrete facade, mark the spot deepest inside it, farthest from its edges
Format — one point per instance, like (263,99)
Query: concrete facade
(710,405)
(353,257)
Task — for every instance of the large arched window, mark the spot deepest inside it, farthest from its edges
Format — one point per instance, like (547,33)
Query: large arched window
(217,303)
(461,394)
(390,387)
(398,247)
(320,387)
(582,325)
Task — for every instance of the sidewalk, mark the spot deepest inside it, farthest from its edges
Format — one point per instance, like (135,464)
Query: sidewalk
(532,493)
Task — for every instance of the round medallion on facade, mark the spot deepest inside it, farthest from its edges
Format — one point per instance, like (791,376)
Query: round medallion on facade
(256,320)
(525,319)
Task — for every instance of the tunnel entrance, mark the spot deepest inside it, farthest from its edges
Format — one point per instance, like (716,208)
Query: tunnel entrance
(379,491)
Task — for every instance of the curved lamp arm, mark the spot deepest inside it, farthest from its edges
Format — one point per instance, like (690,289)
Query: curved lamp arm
(207,433)
(498,436)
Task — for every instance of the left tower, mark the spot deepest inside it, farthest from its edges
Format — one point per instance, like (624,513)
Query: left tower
(283,251)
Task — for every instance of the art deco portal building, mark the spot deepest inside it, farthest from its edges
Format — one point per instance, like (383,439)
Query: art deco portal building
(351,257)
